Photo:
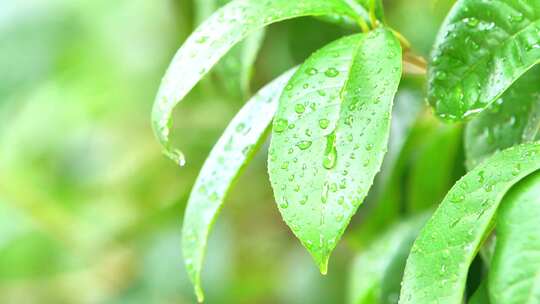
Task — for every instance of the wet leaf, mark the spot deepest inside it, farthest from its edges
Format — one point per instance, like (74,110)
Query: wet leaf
(235,69)
(213,39)
(232,152)
(330,135)
(440,257)
(512,119)
(482,48)
(515,269)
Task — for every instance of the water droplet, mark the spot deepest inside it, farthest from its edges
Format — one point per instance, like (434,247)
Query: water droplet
(240,127)
(331,72)
(202,39)
(330,153)
(299,108)
(440,75)
(324,123)
(312,71)
(324,194)
(280,125)
(304,144)
(471,22)
(516,170)
(457,198)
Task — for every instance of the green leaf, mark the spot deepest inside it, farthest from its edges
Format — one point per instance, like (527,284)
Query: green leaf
(515,270)
(512,119)
(234,70)
(481,295)
(330,135)
(213,39)
(440,258)
(385,203)
(438,148)
(482,48)
(379,263)
(232,152)
(375,8)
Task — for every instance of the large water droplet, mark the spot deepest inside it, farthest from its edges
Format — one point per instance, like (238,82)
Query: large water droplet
(331,72)
(323,123)
(330,153)
(304,144)
(280,125)
(299,108)
(324,194)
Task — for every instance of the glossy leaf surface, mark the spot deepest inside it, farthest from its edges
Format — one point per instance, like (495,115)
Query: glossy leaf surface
(235,69)
(482,48)
(440,258)
(515,269)
(330,135)
(512,119)
(213,39)
(232,152)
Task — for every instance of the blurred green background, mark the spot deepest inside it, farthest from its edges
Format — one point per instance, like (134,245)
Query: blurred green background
(90,210)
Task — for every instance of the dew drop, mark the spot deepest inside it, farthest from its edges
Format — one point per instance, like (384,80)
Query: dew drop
(311,71)
(304,144)
(324,123)
(280,125)
(331,72)
(299,108)
(330,153)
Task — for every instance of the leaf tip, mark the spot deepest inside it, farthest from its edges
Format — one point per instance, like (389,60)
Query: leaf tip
(176,155)
(199,293)
(323,265)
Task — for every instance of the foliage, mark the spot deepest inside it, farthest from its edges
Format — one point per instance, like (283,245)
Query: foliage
(416,202)
(331,131)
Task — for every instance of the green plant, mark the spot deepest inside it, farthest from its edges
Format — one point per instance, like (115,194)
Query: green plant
(331,127)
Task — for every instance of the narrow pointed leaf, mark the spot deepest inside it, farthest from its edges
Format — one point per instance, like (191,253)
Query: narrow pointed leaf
(330,135)
(437,267)
(235,69)
(511,120)
(213,39)
(514,277)
(232,152)
(482,48)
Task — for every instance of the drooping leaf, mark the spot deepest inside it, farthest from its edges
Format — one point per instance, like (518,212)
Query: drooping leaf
(440,258)
(235,69)
(482,48)
(515,269)
(232,152)
(330,135)
(512,119)
(213,39)
(376,265)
